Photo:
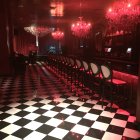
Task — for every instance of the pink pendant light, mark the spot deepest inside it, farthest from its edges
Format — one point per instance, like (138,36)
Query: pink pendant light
(58,35)
(81,28)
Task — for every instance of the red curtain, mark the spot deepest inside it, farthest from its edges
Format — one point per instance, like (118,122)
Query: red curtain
(24,42)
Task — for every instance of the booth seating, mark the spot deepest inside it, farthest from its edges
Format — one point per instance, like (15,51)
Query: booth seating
(112,83)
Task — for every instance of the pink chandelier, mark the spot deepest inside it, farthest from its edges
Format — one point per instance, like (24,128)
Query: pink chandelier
(58,35)
(81,28)
(38,31)
(123,15)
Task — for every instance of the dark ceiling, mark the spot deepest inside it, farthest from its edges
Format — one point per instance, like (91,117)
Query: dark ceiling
(27,12)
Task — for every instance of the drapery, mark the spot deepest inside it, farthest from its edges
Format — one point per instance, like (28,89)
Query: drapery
(24,42)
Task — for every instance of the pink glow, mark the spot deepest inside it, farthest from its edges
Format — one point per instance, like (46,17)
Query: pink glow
(122,13)
(58,35)
(38,30)
(81,28)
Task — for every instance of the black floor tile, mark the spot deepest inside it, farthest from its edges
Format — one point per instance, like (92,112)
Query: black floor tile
(104,119)
(79,114)
(115,129)
(121,117)
(61,116)
(95,133)
(22,122)
(42,119)
(45,129)
(3,135)
(22,113)
(22,133)
(73,136)
(3,124)
(86,122)
(66,125)
(40,111)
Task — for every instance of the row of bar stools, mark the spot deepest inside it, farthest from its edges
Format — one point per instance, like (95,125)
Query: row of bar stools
(86,75)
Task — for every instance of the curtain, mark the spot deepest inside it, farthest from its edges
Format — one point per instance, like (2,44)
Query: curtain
(24,42)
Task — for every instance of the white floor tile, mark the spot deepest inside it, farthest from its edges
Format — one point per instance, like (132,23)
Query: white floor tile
(32,116)
(73,98)
(54,122)
(88,138)
(123,112)
(33,125)
(118,122)
(10,137)
(91,101)
(83,109)
(31,109)
(10,129)
(73,119)
(45,101)
(78,103)
(80,129)
(35,136)
(131,119)
(107,114)
(50,113)
(30,103)
(99,107)
(67,111)
(131,133)
(100,125)
(58,133)
(47,107)
(59,100)
(111,136)
(13,111)
(12,119)
(14,104)
(64,105)
(91,117)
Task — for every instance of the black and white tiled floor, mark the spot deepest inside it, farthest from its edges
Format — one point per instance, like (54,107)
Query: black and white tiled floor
(39,106)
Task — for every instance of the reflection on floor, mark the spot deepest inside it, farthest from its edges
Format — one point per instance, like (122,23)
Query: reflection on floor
(38,106)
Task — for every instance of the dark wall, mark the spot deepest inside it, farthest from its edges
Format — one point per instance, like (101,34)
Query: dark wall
(5,39)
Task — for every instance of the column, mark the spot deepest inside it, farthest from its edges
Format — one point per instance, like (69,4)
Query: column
(6,39)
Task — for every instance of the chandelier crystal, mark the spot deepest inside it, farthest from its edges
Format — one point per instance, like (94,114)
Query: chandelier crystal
(38,31)
(81,28)
(58,35)
(123,15)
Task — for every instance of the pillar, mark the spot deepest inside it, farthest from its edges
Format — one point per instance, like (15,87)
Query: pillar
(6,39)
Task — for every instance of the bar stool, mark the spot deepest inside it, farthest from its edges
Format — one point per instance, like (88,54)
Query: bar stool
(86,76)
(112,83)
(78,74)
(95,78)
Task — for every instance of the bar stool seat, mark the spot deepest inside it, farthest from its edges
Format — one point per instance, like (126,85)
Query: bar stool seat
(117,82)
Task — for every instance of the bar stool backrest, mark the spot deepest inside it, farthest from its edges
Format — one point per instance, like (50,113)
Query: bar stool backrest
(67,60)
(95,68)
(72,63)
(85,65)
(78,63)
(106,72)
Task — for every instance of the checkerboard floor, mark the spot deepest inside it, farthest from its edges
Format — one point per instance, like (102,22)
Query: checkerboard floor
(37,105)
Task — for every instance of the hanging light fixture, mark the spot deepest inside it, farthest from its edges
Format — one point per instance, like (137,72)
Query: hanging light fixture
(81,28)
(123,15)
(58,35)
(38,31)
